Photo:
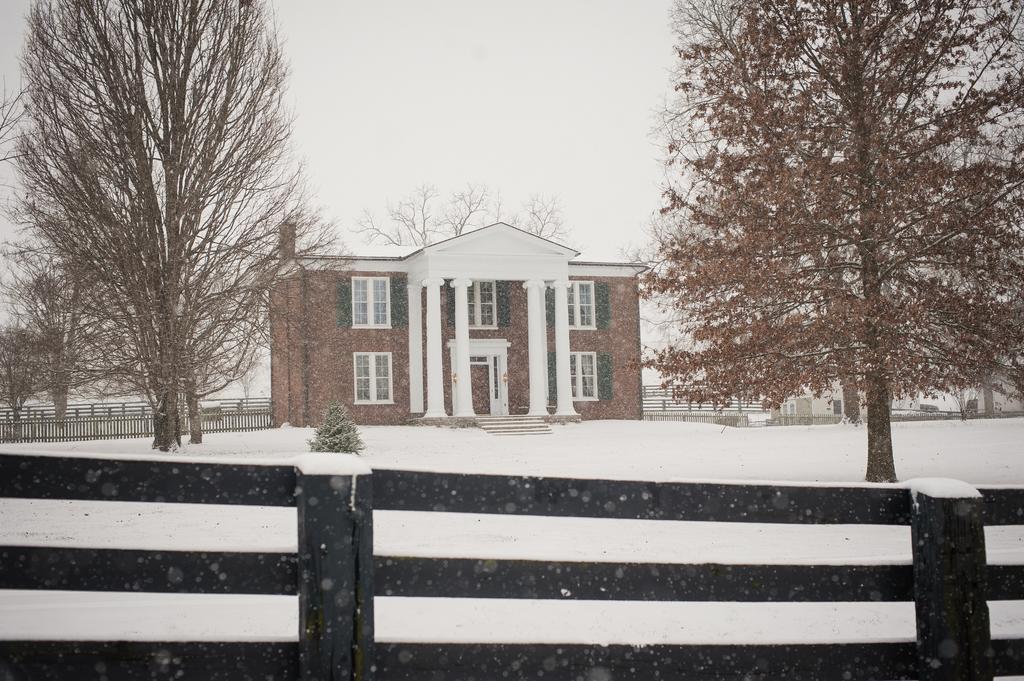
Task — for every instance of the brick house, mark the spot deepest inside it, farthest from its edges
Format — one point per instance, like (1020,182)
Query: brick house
(394,338)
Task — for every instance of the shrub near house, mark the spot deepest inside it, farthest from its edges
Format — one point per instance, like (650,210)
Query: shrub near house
(383,336)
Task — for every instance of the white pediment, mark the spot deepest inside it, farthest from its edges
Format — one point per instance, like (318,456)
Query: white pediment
(501,239)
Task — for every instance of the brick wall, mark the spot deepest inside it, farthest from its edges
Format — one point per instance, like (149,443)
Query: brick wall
(622,340)
(328,373)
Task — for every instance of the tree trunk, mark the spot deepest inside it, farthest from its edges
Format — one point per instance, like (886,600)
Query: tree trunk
(59,394)
(195,418)
(16,418)
(851,402)
(881,467)
(988,395)
(166,424)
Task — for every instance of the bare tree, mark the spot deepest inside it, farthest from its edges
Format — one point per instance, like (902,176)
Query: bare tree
(155,157)
(45,295)
(11,113)
(542,216)
(463,207)
(231,326)
(20,370)
(421,219)
(412,221)
(966,401)
(247,381)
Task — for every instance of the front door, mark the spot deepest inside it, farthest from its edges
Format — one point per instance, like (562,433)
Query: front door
(479,372)
(488,375)
(489,384)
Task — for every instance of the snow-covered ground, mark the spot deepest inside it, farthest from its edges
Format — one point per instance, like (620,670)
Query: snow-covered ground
(979,452)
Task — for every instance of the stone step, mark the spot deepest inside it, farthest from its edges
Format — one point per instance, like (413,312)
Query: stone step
(520,417)
(499,426)
(523,432)
(514,425)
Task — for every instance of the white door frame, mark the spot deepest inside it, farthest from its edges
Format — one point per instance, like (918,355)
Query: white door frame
(496,350)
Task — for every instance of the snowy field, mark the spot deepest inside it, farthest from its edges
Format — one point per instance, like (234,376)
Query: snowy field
(979,451)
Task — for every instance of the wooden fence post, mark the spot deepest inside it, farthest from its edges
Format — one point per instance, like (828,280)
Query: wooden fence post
(953,636)
(335,569)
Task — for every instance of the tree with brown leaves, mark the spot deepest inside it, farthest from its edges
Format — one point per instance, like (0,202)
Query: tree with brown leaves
(847,199)
(155,157)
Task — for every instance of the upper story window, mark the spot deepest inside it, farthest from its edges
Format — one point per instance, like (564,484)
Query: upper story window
(482,306)
(371,298)
(581,305)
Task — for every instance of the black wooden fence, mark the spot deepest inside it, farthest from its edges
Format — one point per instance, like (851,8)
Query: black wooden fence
(948,580)
(334,539)
(102,421)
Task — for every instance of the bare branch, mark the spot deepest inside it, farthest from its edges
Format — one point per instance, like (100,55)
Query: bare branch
(156,158)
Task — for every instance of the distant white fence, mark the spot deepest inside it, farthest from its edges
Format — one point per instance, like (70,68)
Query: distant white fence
(670,404)
(671,399)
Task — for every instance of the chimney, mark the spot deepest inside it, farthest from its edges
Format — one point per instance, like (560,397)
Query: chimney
(286,243)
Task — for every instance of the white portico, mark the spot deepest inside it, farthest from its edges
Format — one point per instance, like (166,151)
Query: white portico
(498,252)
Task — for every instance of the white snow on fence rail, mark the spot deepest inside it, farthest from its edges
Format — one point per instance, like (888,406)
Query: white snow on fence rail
(481,620)
(942,488)
(211,527)
(97,616)
(124,616)
(464,535)
(147,526)
(457,535)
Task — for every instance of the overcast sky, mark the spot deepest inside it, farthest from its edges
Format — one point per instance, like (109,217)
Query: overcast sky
(532,96)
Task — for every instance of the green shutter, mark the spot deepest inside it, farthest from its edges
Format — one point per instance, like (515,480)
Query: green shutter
(552,379)
(605,375)
(399,301)
(502,290)
(343,302)
(602,299)
(549,304)
(450,299)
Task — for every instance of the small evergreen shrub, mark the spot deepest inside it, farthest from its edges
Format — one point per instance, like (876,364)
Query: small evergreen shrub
(337,433)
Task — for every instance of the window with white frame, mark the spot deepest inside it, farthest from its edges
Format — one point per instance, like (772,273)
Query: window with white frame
(482,305)
(373,377)
(583,370)
(581,305)
(371,302)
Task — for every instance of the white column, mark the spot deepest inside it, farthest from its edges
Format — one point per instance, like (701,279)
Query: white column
(415,347)
(435,385)
(563,376)
(463,383)
(538,353)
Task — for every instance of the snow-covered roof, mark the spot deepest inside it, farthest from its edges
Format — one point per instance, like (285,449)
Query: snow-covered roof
(496,239)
